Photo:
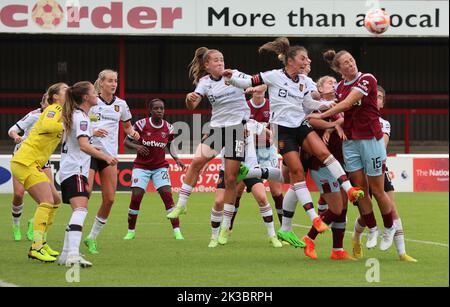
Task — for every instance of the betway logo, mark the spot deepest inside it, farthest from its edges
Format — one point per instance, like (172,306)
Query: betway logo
(112,16)
(153,144)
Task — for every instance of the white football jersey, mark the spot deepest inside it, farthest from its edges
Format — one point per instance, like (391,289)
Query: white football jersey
(107,116)
(26,123)
(73,160)
(385,126)
(251,159)
(286,97)
(229,106)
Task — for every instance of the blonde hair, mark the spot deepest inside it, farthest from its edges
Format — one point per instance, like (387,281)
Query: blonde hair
(322,80)
(74,97)
(101,77)
(53,90)
(332,58)
(282,47)
(97,87)
(197,66)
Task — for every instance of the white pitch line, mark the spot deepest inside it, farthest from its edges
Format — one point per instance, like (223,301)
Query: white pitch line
(409,240)
(4,284)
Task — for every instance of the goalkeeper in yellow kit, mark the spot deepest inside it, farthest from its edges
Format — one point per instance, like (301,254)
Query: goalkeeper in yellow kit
(27,163)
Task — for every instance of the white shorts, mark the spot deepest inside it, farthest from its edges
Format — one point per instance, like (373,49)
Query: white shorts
(141,177)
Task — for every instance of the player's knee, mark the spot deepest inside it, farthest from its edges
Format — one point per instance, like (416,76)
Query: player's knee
(322,155)
(56,199)
(297,174)
(230,181)
(108,201)
(197,164)
(18,198)
(218,205)
(378,193)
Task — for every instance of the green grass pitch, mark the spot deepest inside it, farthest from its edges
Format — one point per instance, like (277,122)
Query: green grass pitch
(155,258)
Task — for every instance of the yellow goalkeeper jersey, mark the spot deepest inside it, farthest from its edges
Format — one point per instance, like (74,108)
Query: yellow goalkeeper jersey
(43,138)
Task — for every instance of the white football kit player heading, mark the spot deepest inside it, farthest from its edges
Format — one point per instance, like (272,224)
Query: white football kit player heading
(229,106)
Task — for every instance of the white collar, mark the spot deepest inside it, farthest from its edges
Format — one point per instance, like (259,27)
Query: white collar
(156,127)
(356,78)
(257,106)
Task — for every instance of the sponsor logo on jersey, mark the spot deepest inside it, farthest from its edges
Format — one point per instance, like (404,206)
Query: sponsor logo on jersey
(282,93)
(51,114)
(83,125)
(117,108)
(154,144)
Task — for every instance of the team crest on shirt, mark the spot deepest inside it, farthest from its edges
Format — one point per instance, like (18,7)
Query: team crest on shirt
(83,125)
(51,114)
(117,108)
(163,135)
(266,113)
(301,87)
(281,144)
(135,180)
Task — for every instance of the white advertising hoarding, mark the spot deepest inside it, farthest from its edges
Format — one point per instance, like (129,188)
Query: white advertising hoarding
(227,17)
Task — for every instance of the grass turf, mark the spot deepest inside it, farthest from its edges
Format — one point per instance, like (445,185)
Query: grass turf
(155,258)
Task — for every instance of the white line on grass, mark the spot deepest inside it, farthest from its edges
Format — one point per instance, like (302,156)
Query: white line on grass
(4,284)
(306,227)
(409,240)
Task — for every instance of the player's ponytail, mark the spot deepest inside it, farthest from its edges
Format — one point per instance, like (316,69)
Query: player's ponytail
(283,49)
(54,90)
(197,66)
(97,87)
(332,58)
(74,97)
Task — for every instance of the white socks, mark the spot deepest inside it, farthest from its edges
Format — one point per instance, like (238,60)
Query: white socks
(267,215)
(228,212)
(357,231)
(337,171)
(289,204)
(98,225)
(216,217)
(304,196)
(74,231)
(16,214)
(184,194)
(399,237)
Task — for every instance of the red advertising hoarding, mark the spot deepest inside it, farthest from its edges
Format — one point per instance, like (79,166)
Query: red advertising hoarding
(431,175)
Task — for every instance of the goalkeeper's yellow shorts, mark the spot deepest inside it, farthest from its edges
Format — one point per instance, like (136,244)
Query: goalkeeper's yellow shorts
(29,175)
